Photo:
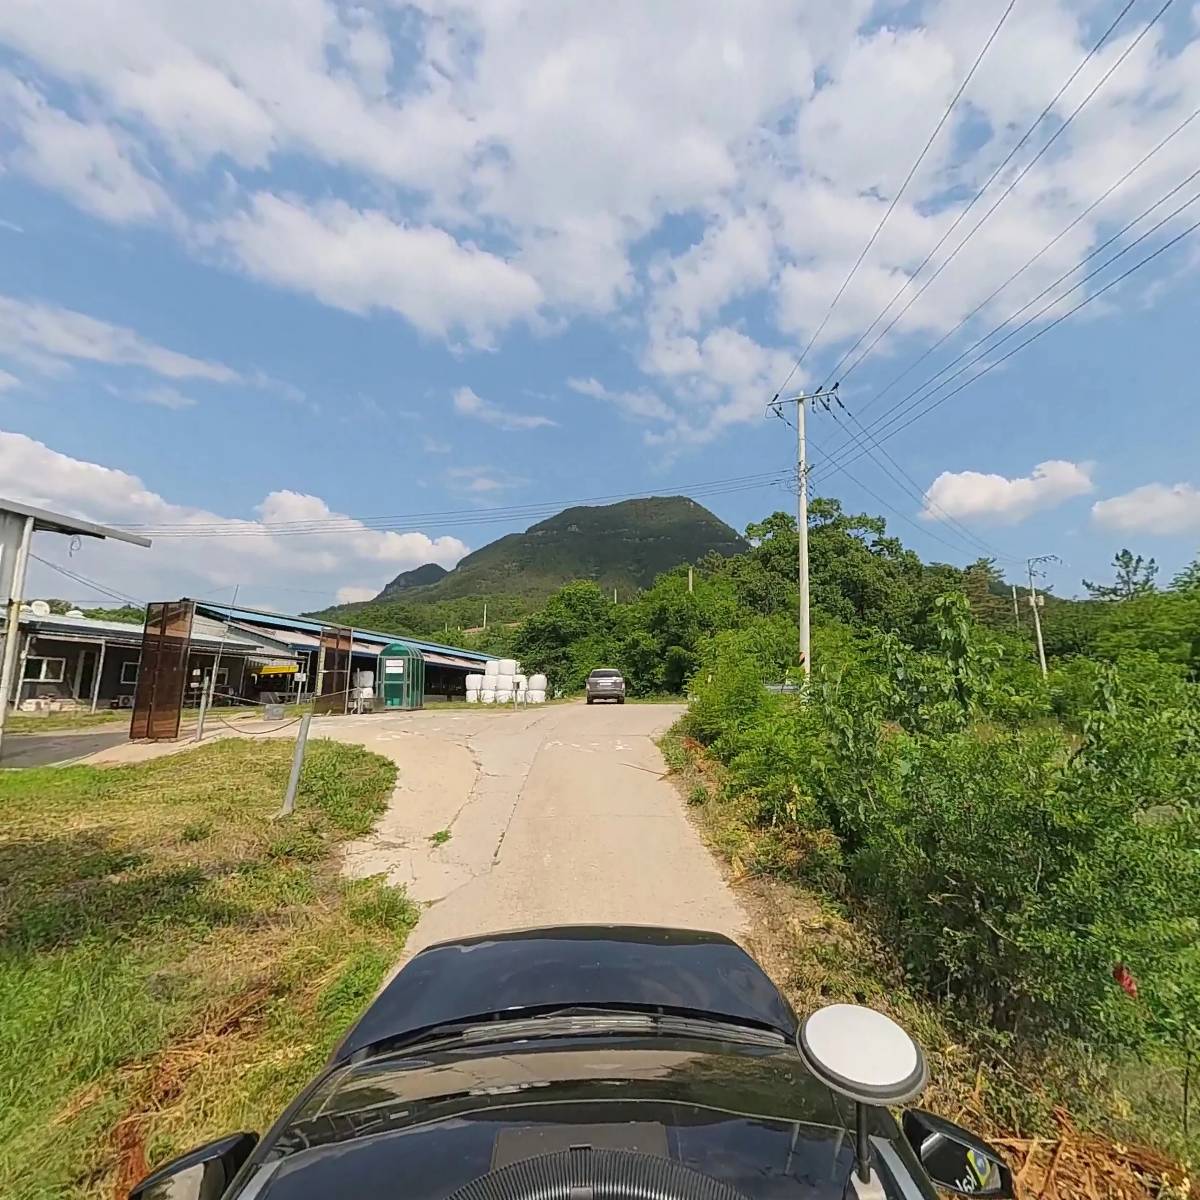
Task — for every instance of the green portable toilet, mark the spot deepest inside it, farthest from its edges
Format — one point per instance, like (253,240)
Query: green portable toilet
(400,678)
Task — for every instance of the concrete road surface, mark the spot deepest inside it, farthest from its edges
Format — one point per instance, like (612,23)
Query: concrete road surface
(546,815)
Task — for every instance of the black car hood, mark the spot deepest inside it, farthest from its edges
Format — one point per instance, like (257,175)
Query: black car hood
(587,965)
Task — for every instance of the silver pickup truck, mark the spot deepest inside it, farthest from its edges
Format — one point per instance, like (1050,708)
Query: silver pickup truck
(605,684)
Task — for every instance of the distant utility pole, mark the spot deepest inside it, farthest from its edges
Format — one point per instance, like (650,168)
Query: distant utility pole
(775,408)
(1034,600)
(1016,608)
(485,615)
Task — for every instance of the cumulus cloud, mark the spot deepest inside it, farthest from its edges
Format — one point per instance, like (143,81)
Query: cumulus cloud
(468,404)
(363,260)
(90,162)
(8,381)
(353,594)
(51,338)
(252,553)
(481,482)
(972,494)
(1156,508)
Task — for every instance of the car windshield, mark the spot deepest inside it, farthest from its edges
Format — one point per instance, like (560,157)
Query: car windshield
(444,1117)
(605,675)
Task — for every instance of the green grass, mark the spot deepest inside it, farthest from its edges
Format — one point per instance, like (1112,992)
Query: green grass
(174,962)
(440,838)
(49,722)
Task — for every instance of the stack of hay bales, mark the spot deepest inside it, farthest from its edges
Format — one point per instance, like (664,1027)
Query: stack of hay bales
(502,681)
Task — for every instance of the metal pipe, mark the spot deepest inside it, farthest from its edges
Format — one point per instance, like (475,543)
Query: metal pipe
(99,672)
(16,586)
(862,1143)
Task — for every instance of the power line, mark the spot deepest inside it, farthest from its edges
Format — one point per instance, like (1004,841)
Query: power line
(896,198)
(460,518)
(930,385)
(1007,192)
(101,588)
(1039,333)
(918,493)
(990,180)
(1047,247)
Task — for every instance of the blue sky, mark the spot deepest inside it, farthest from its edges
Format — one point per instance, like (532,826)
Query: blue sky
(321,291)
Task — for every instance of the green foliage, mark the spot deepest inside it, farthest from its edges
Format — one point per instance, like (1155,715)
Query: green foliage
(1188,580)
(1012,863)
(1134,576)
(1165,624)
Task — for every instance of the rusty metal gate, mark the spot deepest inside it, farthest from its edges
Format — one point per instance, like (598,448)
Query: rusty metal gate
(162,673)
(333,670)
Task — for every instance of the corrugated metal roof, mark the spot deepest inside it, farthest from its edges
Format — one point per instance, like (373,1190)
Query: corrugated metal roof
(252,616)
(206,633)
(449,660)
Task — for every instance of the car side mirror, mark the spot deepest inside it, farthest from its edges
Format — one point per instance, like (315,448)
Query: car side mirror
(955,1159)
(201,1174)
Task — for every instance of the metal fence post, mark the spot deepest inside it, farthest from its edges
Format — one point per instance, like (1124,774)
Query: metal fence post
(289,800)
(203,710)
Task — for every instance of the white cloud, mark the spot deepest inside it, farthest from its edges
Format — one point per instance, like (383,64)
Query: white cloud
(260,559)
(50,337)
(353,594)
(8,381)
(90,162)
(480,482)
(435,446)
(1156,508)
(468,404)
(363,260)
(642,403)
(165,397)
(1006,501)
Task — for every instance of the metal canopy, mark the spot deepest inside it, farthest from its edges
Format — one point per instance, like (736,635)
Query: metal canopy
(52,522)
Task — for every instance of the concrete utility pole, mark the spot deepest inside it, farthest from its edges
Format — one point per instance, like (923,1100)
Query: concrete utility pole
(776,409)
(1034,599)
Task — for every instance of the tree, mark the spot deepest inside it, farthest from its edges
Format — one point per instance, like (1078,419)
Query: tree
(1188,580)
(1134,577)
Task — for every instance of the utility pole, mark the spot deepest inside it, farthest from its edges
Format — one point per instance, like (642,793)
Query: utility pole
(485,615)
(1033,602)
(690,581)
(1016,609)
(775,408)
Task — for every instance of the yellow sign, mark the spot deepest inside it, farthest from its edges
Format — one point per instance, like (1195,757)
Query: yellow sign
(279,669)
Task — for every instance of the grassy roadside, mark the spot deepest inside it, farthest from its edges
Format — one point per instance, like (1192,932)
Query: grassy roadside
(1071,1126)
(173,963)
(56,722)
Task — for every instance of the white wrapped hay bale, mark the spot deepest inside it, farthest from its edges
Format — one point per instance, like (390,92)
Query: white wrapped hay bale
(491,667)
(535,696)
(508,666)
(472,695)
(537,683)
(474,681)
(487,696)
(503,694)
(520,682)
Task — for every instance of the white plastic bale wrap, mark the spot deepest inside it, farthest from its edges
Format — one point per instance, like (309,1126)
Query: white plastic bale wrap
(520,682)
(537,683)
(508,666)
(487,697)
(472,695)
(535,696)
(474,681)
(491,667)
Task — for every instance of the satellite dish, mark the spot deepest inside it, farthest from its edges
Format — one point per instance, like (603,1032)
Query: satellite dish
(74,612)
(867,1057)
(862,1054)
(40,608)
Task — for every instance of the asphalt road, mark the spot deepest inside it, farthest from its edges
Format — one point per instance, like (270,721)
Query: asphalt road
(555,815)
(48,749)
(538,816)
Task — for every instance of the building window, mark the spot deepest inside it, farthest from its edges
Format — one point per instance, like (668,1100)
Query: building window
(222,676)
(45,670)
(129,671)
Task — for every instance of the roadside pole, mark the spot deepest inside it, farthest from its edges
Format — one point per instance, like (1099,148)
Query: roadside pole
(204,701)
(1030,564)
(775,408)
(289,799)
